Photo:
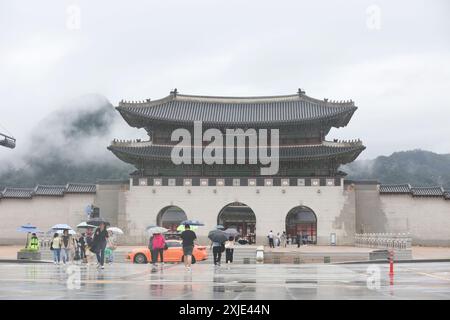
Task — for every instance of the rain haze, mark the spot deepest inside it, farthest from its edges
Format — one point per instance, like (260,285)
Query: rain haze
(63,58)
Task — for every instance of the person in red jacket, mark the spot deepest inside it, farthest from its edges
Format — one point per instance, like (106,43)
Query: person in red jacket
(158,244)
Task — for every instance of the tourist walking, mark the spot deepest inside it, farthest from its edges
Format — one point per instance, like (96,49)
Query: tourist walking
(217,249)
(188,236)
(55,247)
(271,236)
(158,245)
(77,249)
(67,244)
(82,244)
(283,239)
(88,239)
(150,247)
(278,239)
(99,244)
(298,239)
(229,250)
(110,248)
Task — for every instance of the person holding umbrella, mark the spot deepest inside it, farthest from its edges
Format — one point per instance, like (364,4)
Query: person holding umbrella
(218,238)
(55,246)
(231,233)
(28,229)
(229,250)
(158,246)
(99,244)
(67,245)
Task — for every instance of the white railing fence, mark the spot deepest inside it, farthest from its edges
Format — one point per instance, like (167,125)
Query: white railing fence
(399,241)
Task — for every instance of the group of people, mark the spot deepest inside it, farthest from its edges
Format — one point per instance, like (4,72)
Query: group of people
(277,240)
(157,245)
(68,248)
(283,240)
(227,247)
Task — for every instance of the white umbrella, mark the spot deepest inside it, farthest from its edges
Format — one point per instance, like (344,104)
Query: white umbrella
(154,230)
(115,230)
(71,232)
(61,226)
(84,225)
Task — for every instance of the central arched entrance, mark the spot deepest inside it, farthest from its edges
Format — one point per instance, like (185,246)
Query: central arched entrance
(302,221)
(241,217)
(170,217)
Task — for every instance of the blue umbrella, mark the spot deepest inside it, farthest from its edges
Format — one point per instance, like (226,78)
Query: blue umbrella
(61,226)
(192,223)
(28,228)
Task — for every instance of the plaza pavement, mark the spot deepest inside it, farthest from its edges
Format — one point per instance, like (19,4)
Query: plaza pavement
(238,282)
(10,252)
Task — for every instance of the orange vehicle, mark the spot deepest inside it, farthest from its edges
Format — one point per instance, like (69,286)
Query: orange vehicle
(174,253)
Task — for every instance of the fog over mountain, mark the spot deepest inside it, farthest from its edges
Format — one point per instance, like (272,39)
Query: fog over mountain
(417,167)
(69,145)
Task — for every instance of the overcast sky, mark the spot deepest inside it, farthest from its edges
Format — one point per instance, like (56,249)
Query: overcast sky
(391,57)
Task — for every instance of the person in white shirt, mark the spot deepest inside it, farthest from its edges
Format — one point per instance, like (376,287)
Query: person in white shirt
(229,250)
(271,236)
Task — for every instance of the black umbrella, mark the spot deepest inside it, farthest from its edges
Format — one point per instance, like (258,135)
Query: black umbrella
(217,236)
(97,221)
(192,223)
(231,232)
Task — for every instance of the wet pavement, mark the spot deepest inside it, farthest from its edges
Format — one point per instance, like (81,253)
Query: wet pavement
(268,281)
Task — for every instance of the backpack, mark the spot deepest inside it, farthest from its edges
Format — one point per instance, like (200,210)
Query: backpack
(222,247)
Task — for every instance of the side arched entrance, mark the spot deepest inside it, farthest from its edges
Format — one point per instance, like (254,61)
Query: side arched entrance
(302,221)
(241,217)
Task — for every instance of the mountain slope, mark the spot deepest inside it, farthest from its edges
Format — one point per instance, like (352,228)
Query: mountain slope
(417,167)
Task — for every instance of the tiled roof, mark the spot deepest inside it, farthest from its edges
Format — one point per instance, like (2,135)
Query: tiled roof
(80,188)
(447,194)
(435,191)
(17,193)
(46,190)
(395,188)
(295,108)
(427,191)
(301,152)
(43,190)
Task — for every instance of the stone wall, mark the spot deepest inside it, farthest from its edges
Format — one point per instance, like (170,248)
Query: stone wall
(344,210)
(426,219)
(41,211)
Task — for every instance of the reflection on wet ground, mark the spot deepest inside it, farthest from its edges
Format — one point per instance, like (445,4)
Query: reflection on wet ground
(269,281)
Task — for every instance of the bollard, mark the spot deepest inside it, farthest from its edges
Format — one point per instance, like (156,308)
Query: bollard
(391,263)
(260,254)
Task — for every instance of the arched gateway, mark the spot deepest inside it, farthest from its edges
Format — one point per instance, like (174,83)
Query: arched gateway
(241,217)
(302,220)
(170,217)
